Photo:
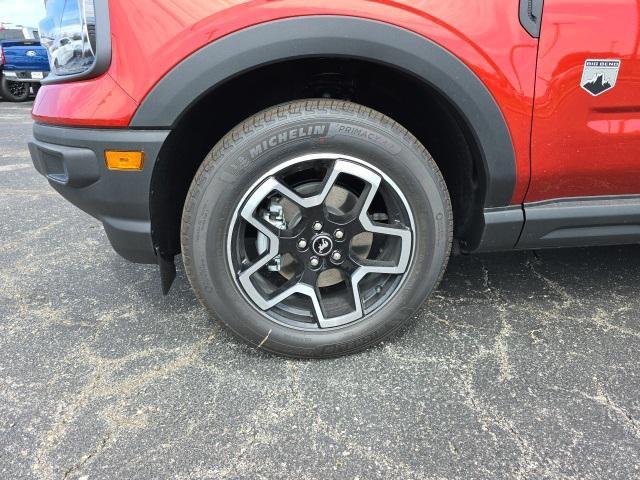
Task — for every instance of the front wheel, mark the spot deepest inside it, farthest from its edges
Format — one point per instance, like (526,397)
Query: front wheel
(14,91)
(316,228)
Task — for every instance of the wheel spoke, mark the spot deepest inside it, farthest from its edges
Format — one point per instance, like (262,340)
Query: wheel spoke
(273,300)
(292,287)
(367,266)
(403,233)
(306,202)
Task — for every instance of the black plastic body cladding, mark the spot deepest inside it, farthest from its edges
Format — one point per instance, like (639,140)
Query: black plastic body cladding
(586,221)
(72,159)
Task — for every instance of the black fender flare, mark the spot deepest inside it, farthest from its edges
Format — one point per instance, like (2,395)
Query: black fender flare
(340,36)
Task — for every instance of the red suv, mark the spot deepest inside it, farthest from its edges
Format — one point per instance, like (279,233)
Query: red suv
(315,160)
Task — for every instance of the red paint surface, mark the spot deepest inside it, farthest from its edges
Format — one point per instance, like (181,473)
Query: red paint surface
(151,36)
(100,102)
(584,145)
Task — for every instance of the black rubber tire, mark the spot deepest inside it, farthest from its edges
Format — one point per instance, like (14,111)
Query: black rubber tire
(226,175)
(5,92)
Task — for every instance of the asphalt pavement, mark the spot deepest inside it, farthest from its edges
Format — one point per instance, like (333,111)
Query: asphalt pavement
(522,365)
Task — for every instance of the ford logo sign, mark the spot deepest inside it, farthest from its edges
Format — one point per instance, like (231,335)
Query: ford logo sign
(31,53)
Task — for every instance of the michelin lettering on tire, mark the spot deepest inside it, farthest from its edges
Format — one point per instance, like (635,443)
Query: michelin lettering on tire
(287,135)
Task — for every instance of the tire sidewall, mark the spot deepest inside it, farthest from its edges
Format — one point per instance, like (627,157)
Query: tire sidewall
(229,174)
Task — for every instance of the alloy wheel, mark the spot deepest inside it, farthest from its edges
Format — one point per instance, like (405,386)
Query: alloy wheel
(320,242)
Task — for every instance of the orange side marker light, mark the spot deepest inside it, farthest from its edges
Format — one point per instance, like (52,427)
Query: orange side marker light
(124,160)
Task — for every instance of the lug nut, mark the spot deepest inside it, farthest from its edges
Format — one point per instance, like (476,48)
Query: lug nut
(336,256)
(317,226)
(302,244)
(314,262)
(339,234)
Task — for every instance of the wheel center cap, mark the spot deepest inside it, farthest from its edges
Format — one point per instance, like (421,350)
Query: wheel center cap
(322,245)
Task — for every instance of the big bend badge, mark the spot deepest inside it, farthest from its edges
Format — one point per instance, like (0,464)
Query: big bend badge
(599,76)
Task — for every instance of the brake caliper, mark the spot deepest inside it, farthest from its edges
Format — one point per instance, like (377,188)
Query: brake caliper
(274,215)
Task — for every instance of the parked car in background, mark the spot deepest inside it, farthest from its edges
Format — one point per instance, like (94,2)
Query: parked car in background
(23,63)
(314,161)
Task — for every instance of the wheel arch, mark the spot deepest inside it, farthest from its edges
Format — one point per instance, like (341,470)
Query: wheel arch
(218,63)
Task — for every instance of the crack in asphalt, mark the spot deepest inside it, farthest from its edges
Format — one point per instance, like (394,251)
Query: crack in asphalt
(616,412)
(103,385)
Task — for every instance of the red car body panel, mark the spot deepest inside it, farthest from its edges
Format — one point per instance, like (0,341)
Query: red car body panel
(149,37)
(584,145)
(99,102)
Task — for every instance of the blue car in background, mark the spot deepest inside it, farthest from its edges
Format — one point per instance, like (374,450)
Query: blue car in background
(23,63)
